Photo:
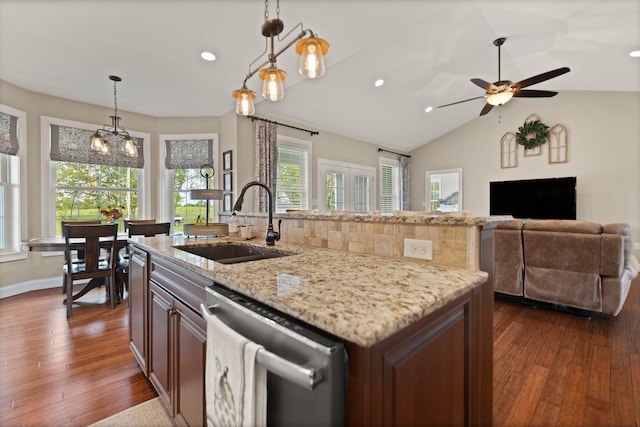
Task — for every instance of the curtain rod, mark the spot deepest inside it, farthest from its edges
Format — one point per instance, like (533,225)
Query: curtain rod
(393,152)
(311,132)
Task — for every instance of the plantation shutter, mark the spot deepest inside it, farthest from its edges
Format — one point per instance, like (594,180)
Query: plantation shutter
(292,179)
(69,144)
(188,153)
(8,134)
(386,189)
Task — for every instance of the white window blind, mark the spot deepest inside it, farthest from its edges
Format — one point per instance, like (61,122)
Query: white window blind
(292,182)
(390,188)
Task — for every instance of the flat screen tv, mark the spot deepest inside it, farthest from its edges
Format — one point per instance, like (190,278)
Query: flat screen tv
(547,198)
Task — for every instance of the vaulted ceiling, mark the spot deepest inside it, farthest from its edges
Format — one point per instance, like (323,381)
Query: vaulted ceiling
(426,51)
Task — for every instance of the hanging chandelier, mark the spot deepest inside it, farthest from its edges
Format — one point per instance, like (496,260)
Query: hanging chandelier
(99,142)
(311,51)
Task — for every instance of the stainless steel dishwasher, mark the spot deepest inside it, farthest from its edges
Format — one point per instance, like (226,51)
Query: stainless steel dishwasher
(306,368)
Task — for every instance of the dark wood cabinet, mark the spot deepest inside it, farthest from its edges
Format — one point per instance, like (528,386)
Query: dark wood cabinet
(138,306)
(438,371)
(177,342)
(160,313)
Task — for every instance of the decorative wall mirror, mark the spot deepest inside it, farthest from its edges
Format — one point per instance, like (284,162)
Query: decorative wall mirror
(443,190)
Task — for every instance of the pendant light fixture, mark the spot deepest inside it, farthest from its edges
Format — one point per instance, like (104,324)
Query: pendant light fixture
(98,141)
(311,50)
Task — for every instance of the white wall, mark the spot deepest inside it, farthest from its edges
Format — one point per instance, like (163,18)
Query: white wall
(604,154)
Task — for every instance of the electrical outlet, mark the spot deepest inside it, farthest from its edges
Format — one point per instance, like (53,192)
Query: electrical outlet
(421,249)
(636,246)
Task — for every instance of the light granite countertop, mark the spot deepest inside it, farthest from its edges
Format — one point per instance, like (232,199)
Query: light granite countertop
(359,298)
(406,217)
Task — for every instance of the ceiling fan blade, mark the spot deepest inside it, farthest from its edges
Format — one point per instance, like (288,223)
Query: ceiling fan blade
(483,84)
(540,77)
(486,109)
(529,93)
(459,102)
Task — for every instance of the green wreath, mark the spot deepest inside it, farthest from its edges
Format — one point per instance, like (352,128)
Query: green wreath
(532,134)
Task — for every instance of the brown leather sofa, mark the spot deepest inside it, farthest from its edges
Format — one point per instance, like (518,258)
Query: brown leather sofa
(576,264)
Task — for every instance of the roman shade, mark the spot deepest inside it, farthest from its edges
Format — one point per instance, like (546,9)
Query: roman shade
(69,144)
(188,153)
(8,134)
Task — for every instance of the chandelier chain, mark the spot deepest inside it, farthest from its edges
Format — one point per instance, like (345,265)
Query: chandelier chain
(266,10)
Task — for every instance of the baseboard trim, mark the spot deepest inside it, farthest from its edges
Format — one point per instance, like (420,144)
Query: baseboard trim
(31,285)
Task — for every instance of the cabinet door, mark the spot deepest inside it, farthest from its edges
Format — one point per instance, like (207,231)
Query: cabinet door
(138,290)
(190,367)
(159,358)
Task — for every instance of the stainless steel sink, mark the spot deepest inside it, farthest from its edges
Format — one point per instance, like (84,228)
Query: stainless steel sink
(230,253)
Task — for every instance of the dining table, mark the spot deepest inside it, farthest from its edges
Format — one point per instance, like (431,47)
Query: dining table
(58,244)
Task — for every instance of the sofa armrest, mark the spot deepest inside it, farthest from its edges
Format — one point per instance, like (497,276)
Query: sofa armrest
(611,255)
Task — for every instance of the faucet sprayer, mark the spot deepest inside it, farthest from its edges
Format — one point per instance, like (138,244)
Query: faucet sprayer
(271,236)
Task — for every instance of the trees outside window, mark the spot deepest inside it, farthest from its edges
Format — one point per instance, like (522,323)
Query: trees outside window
(82,190)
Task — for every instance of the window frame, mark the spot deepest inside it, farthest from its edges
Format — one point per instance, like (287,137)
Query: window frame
(165,187)
(48,177)
(349,169)
(303,145)
(15,252)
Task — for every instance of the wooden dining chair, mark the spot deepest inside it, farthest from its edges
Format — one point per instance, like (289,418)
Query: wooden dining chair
(145,229)
(139,221)
(79,255)
(90,238)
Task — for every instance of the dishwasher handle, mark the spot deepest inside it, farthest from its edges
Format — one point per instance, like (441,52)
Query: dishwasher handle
(304,377)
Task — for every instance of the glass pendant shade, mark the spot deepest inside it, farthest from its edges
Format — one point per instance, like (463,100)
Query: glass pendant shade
(128,146)
(312,51)
(244,101)
(99,144)
(272,89)
(500,98)
(105,148)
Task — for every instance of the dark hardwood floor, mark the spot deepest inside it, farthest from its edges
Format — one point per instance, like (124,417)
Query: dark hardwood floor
(550,368)
(59,372)
(557,369)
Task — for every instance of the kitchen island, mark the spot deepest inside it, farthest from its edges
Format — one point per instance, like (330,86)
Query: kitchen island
(418,336)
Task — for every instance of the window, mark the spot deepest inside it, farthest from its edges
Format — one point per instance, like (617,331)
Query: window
(81,184)
(345,187)
(434,198)
(390,185)
(181,158)
(13,182)
(82,190)
(292,181)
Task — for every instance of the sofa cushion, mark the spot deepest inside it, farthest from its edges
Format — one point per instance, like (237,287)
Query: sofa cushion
(570,288)
(514,224)
(564,226)
(562,251)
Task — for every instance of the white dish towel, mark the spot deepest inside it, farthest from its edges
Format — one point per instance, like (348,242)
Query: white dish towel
(235,385)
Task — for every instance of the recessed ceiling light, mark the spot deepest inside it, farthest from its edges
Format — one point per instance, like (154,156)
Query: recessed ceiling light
(635,54)
(208,56)
(378,83)
(428,109)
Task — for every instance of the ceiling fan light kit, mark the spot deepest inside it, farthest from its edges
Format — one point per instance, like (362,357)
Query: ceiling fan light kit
(502,91)
(311,50)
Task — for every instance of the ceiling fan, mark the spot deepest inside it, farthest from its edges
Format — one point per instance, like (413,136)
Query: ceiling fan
(500,92)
